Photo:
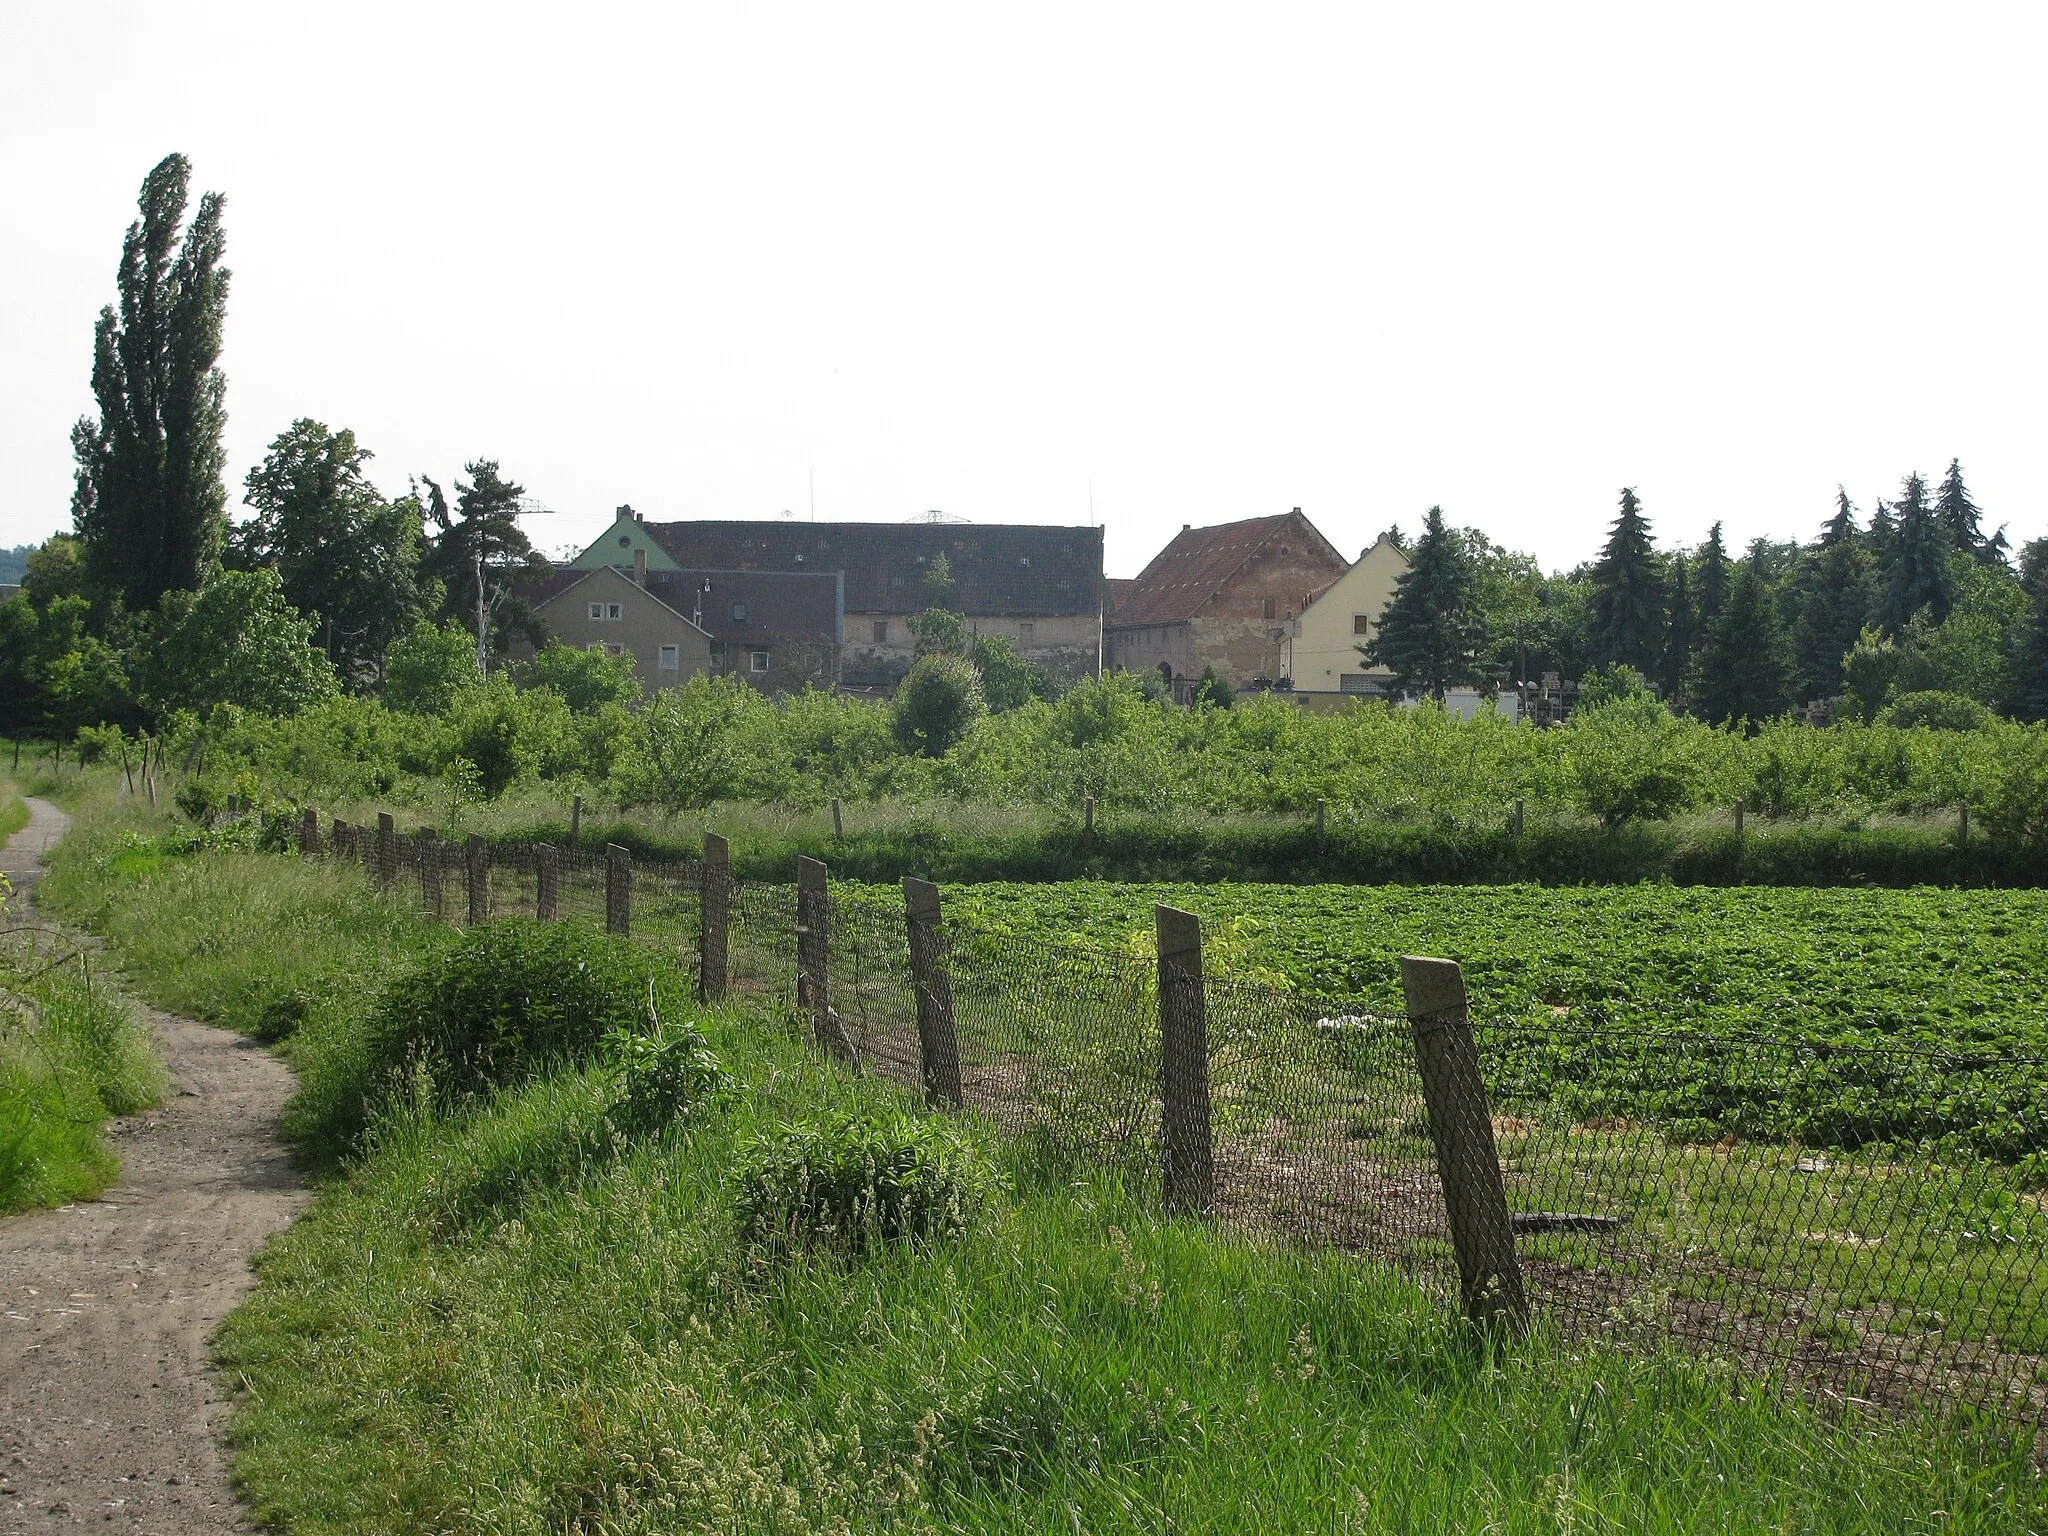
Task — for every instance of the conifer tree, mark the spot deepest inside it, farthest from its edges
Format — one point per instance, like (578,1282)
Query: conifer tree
(1917,576)
(1745,667)
(1956,513)
(1431,632)
(2029,697)
(478,554)
(1681,635)
(148,503)
(1836,605)
(1628,595)
(1710,581)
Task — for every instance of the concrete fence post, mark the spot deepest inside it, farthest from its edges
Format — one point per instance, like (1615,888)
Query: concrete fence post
(1963,824)
(1739,810)
(618,890)
(813,957)
(838,820)
(387,848)
(309,825)
(1088,813)
(576,823)
(339,839)
(477,864)
(433,889)
(713,951)
(1322,809)
(547,883)
(938,1040)
(1467,1161)
(1187,1154)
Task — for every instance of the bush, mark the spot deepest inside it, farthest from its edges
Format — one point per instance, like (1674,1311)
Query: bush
(586,680)
(1630,762)
(660,1079)
(859,1182)
(423,671)
(513,996)
(1936,711)
(937,704)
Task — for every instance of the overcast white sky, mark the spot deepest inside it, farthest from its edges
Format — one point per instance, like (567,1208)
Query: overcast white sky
(1351,258)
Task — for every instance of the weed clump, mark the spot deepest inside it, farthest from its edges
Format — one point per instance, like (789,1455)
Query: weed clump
(860,1182)
(660,1079)
(512,997)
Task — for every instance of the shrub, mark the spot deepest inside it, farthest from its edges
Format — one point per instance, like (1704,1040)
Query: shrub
(512,996)
(586,680)
(937,704)
(858,1182)
(1630,761)
(660,1079)
(1936,711)
(423,671)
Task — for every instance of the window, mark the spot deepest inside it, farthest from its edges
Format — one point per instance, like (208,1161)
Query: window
(615,650)
(1026,630)
(881,631)
(739,613)
(1269,609)
(1361,623)
(1354,682)
(669,661)
(614,611)
(760,661)
(597,612)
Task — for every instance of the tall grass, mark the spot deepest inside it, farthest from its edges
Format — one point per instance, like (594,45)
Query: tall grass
(500,1317)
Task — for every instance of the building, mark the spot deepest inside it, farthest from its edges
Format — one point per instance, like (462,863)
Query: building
(1323,645)
(1223,597)
(606,609)
(1039,586)
(780,630)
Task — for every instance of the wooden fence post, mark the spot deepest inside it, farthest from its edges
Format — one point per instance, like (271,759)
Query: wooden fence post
(433,895)
(387,848)
(477,863)
(1518,816)
(938,1041)
(714,913)
(1738,818)
(576,823)
(618,889)
(309,826)
(1963,824)
(340,842)
(547,883)
(1087,813)
(838,821)
(1467,1161)
(1187,1154)
(813,957)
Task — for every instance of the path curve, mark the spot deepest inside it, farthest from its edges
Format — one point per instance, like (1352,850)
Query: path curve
(109,1414)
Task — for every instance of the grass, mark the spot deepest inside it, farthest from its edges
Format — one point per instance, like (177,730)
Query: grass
(501,1318)
(72,1053)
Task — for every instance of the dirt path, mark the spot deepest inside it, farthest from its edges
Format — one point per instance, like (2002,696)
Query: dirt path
(108,1413)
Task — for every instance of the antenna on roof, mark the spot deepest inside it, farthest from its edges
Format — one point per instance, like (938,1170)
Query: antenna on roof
(936,516)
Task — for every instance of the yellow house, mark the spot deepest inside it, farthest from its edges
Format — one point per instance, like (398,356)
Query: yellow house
(1342,617)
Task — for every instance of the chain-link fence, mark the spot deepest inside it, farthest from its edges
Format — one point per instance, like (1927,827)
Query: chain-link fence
(1857,1222)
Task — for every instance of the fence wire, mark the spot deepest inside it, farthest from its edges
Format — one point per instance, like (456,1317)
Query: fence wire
(1859,1223)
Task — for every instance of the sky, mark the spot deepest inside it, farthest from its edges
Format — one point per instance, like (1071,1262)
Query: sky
(1135,265)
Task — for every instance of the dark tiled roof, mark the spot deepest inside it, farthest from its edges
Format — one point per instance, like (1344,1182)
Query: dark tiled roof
(756,605)
(999,569)
(1193,569)
(535,590)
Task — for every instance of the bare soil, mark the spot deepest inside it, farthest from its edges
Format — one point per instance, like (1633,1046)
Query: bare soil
(110,1414)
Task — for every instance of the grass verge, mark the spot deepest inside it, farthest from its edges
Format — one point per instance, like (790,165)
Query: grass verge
(502,1316)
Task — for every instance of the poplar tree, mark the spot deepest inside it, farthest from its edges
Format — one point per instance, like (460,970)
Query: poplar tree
(1917,576)
(1745,668)
(1431,632)
(1628,595)
(148,503)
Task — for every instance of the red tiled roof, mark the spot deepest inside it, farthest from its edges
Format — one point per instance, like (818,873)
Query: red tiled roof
(1193,569)
(1118,591)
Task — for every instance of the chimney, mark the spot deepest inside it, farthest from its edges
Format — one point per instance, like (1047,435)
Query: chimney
(1186,527)
(639,567)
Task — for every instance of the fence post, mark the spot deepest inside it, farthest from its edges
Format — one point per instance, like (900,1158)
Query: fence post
(938,1042)
(1187,1156)
(387,848)
(1088,813)
(432,888)
(838,821)
(1738,818)
(547,881)
(1467,1161)
(1518,816)
(1321,807)
(477,862)
(340,843)
(618,889)
(1963,824)
(576,823)
(716,909)
(813,954)
(309,826)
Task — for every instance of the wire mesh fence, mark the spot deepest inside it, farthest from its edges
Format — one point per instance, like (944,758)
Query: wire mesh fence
(1859,1223)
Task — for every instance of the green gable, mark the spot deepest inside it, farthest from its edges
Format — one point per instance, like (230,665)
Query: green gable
(616,544)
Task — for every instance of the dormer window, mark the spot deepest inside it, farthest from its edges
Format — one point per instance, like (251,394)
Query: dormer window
(740,613)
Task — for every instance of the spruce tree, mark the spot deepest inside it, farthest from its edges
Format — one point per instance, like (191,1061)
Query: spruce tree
(148,502)
(1710,580)
(2029,697)
(1836,604)
(1956,513)
(1431,632)
(1681,635)
(1745,668)
(1917,576)
(1628,595)
(478,554)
